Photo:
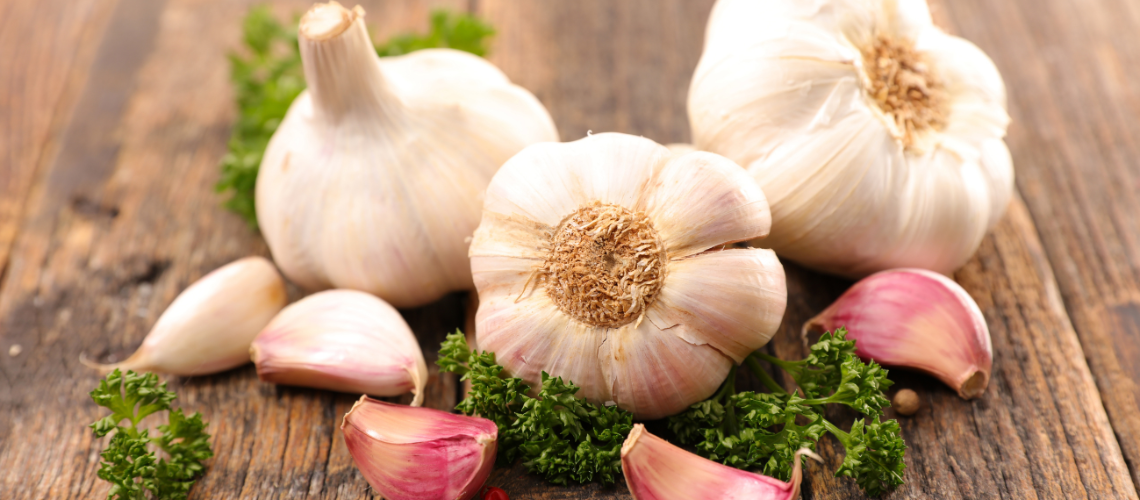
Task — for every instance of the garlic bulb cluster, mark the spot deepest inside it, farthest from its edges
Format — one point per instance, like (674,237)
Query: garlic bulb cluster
(914,318)
(341,340)
(409,453)
(373,180)
(605,261)
(877,138)
(657,470)
(209,326)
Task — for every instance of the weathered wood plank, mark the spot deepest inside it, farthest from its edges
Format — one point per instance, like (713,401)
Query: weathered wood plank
(123,220)
(45,50)
(1073,75)
(93,277)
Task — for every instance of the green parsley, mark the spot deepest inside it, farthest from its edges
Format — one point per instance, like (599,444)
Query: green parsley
(128,463)
(751,430)
(270,76)
(555,435)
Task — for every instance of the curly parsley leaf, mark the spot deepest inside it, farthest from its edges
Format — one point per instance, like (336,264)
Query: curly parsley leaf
(751,430)
(128,464)
(269,76)
(556,435)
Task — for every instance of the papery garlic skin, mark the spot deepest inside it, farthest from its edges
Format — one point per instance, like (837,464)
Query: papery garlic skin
(373,180)
(782,89)
(409,453)
(657,470)
(342,340)
(209,326)
(916,319)
(694,307)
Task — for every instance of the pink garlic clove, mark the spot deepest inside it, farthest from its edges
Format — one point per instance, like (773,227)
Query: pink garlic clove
(914,318)
(341,340)
(409,453)
(657,470)
(209,326)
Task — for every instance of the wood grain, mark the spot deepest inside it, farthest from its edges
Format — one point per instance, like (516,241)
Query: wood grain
(1073,76)
(45,50)
(124,217)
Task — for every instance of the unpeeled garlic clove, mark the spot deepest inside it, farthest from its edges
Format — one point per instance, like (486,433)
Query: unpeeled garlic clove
(209,326)
(419,453)
(918,319)
(341,340)
(657,470)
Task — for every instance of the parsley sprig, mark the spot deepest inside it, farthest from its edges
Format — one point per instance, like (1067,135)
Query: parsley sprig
(269,77)
(128,463)
(556,435)
(750,430)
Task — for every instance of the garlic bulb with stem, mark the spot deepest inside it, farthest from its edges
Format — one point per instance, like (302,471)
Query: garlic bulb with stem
(657,470)
(914,318)
(341,340)
(877,137)
(605,261)
(373,180)
(409,453)
(209,326)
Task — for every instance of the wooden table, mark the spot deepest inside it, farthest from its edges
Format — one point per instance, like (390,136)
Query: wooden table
(114,113)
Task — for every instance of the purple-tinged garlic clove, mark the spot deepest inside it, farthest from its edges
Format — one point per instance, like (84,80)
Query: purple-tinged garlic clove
(657,470)
(409,453)
(341,340)
(913,318)
(209,326)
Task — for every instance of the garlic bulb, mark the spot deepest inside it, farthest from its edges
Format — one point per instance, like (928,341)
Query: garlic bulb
(341,340)
(409,453)
(917,319)
(603,261)
(657,470)
(877,138)
(209,326)
(373,180)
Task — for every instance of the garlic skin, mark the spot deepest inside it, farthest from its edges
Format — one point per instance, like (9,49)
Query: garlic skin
(657,470)
(861,176)
(341,340)
(373,180)
(209,326)
(649,312)
(409,453)
(917,319)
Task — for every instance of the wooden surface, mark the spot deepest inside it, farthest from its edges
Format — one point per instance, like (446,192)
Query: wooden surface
(113,115)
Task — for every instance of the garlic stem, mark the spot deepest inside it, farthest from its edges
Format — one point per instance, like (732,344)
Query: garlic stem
(763,375)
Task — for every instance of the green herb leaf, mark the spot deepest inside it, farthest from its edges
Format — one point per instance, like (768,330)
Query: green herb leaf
(556,435)
(269,77)
(748,430)
(128,464)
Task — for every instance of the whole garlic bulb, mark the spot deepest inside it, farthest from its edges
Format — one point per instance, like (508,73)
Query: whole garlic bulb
(877,137)
(604,261)
(373,180)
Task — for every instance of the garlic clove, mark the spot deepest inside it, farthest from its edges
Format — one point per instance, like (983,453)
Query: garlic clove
(515,329)
(721,204)
(405,143)
(610,168)
(918,319)
(341,340)
(731,300)
(655,372)
(657,470)
(409,453)
(209,326)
